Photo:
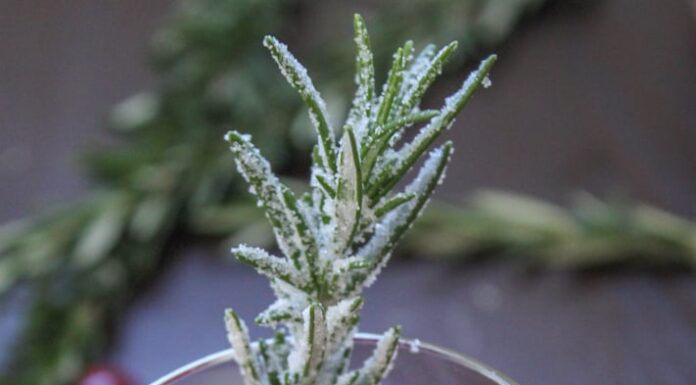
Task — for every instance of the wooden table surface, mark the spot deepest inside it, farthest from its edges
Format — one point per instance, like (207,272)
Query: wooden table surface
(590,95)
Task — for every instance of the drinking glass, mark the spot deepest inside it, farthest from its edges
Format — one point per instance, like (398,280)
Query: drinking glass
(417,363)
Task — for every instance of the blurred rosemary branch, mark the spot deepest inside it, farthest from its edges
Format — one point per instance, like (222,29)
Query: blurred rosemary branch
(84,262)
(592,233)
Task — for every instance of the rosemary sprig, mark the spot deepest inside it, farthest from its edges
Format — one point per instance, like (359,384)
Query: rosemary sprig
(333,241)
(592,233)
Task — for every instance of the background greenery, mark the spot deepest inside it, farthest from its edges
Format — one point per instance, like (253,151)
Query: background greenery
(82,263)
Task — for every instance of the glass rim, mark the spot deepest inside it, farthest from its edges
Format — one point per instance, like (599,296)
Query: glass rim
(225,356)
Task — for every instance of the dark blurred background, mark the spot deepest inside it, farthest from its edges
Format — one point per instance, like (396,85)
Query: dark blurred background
(595,96)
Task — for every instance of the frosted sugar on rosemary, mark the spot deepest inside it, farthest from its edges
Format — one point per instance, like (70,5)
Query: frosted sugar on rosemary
(337,237)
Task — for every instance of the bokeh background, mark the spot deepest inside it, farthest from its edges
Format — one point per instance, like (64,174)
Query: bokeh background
(591,96)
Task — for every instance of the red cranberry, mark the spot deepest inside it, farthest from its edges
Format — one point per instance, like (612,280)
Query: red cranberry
(104,375)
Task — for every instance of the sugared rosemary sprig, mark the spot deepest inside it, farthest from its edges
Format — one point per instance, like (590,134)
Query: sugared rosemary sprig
(336,237)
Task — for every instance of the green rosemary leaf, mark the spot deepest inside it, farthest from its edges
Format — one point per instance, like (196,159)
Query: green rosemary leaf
(103,233)
(393,203)
(269,265)
(280,311)
(297,76)
(364,74)
(379,365)
(306,360)
(396,125)
(317,157)
(394,79)
(148,217)
(417,67)
(238,336)
(348,204)
(326,186)
(420,81)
